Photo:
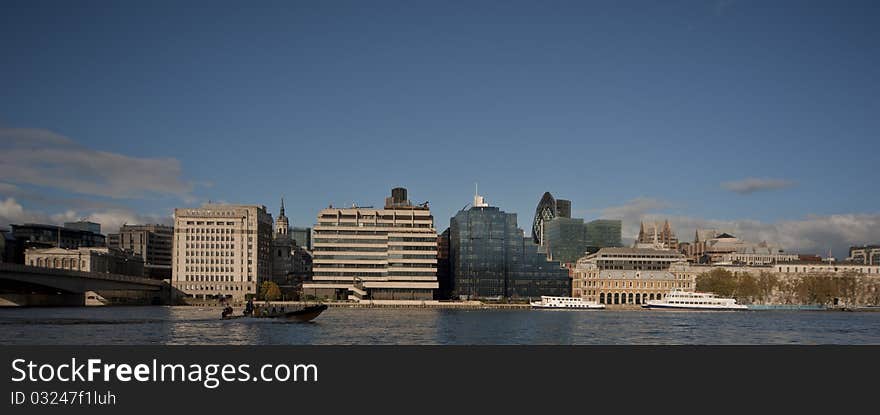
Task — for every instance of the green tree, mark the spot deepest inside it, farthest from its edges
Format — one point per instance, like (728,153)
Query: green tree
(747,289)
(817,289)
(270,291)
(719,281)
(767,284)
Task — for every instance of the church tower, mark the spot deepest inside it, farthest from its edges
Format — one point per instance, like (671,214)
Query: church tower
(282,226)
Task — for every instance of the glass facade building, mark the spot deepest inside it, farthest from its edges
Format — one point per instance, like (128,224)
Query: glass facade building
(604,233)
(490,258)
(567,239)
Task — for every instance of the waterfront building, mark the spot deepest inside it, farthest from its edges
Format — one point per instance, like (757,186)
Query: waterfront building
(34,235)
(152,242)
(363,253)
(631,275)
(87,259)
(866,255)
(827,268)
(444,273)
(221,250)
(491,258)
(656,235)
(712,247)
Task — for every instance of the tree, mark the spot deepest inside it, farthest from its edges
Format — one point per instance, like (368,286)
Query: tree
(718,281)
(767,283)
(270,291)
(747,289)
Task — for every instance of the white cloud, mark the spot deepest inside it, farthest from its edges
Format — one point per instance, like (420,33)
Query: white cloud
(11,212)
(43,158)
(632,212)
(751,185)
(808,235)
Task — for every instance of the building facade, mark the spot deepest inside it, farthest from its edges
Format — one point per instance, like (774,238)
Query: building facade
(865,255)
(33,235)
(84,225)
(568,239)
(221,250)
(490,258)
(548,208)
(565,239)
(282,248)
(363,253)
(826,268)
(153,243)
(302,237)
(631,275)
(711,247)
(658,235)
(102,260)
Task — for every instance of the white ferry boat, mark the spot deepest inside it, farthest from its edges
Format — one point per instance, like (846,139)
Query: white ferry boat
(683,300)
(566,303)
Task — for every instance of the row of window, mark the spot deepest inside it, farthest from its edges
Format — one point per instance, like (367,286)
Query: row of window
(215,238)
(210,223)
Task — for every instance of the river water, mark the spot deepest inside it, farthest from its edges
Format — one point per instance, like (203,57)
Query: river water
(192,325)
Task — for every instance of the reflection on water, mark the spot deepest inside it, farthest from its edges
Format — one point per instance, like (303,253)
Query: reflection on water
(192,325)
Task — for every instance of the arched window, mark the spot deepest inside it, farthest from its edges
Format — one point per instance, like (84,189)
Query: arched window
(616,298)
(638,298)
(601,298)
(630,298)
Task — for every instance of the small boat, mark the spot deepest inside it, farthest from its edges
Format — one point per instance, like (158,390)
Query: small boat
(683,300)
(304,314)
(570,303)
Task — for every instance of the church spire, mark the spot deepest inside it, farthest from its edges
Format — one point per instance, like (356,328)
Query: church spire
(281,224)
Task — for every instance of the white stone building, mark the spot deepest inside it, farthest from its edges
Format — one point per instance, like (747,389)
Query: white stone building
(221,250)
(377,254)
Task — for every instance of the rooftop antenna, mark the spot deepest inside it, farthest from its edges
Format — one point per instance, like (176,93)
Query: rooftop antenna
(478,200)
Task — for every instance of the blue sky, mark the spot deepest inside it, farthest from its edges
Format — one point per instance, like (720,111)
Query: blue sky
(758,117)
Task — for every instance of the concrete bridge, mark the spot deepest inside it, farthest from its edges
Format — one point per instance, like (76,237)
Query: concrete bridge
(24,285)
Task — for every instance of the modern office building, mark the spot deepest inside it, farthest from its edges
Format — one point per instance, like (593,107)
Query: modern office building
(221,250)
(33,235)
(568,239)
(153,243)
(302,237)
(603,233)
(565,239)
(9,247)
(102,260)
(548,208)
(865,255)
(363,253)
(491,258)
(84,225)
(631,275)
(444,274)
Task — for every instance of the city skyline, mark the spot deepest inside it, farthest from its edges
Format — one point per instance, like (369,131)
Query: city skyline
(735,116)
